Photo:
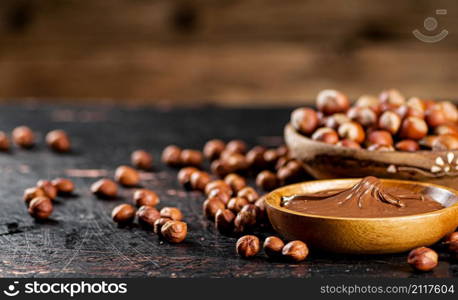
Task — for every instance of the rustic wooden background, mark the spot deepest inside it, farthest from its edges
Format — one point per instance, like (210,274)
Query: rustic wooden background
(229,51)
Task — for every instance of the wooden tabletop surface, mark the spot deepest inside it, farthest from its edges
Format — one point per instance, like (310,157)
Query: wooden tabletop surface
(80,240)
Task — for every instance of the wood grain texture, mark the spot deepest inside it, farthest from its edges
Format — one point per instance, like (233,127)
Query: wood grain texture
(81,240)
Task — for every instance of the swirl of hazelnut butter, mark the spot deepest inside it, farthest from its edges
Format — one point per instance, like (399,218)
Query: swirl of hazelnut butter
(369,198)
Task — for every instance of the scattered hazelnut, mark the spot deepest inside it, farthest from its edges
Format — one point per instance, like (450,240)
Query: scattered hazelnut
(267,180)
(171,155)
(63,185)
(273,246)
(223,195)
(224,220)
(407,145)
(104,188)
(58,141)
(199,180)
(147,216)
(325,135)
(445,142)
(237,203)
(235,162)
(47,187)
(141,159)
(389,121)
(159,223)
(40,208)
(392,97)
(174,231)
(435,117)
(270,157)
(304,120)
(145,197)
(213,149)
(423,259)
(211,206)
(331,101)
(127,176)
(296,251)
(246,218)
(236,146)
(123,213)
(32,193)
(413,128)
(255,157)
(247,246)
(352,131)
(190,157)
(260,209)
(184,176)
(348,144)
(219,168)
(235,181)
(24,137)
(380,137)
(172,213)
(4,142)
(217,184)
(363,115)
(249,193)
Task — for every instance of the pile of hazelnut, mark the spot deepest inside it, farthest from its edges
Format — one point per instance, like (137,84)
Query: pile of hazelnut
(385,123)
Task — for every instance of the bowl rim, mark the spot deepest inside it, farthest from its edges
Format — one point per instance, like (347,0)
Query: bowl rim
(269,201)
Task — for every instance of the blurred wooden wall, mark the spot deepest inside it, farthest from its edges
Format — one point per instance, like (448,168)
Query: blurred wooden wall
(228,51)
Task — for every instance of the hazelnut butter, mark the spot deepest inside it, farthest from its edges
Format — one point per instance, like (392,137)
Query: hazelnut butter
(369,198)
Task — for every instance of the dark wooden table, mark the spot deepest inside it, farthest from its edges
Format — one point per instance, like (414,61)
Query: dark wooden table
(81,240)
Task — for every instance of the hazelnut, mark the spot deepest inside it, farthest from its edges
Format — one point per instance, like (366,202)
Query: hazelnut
(282,150)
(450,111)
(127,176)
(147,216)
(270,157)
(408,111)
(267,180)
(246,218)
(428,141)
(281,162)
(145,197)
(58,141)
(124,213)
(249,193)
(273,246)
(255,157)
(363,115)
(104,188)
(261,209)
(235,162)
(380,137)
(24,137)
(304,120)
(335,120)
(171,155)
(296,251)
(224,220)
(190,157)
(236,146)
(184,176)
(174,231)
(423,259)
(235,181)
(237,203)
(435,117)
(222,194)
(141,159)
(392,97)
(325,135)
(159,223)
(445,142)
(376,147)
(446,129)
(370,101)
(413,128)
(211,206)
(4,142)
(213,149)
(40,208)
(171,213)
(416,103)
(63,185)
(32,193)
(199,180)
(217,184)
(331,101)
(390,121)
(49,189)
(451,237)
(219,168)
(348,144)
(247,246)
(407,145)
(352,131)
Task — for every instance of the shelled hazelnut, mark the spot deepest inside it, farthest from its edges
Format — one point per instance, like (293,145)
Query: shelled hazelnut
(213,149)
(141,159)
(363,115)
(331,101)
(352,131)
(423,259)
(246,218)
(40,208)
(237,203)
(261,209)
(305,120)
(380,137)
(189,157)
(199,180)
(407,145)
(49,189)
(249,193)
(4,142)
(171,155)
(217,184)
(184,176)
(247,246)
(145,197)
(32,193)
(23,136)
(224,220)
(58,140)
(255,157)
(271,157)
(235,162)
(104,188)
(147,216)
(211,206)
(413,128)
(222,194)
(236,146)
(296,251)
(159,223)
(348,144)
(219,168)
(326,135)
(445,142)
(389,121)
(171,213)
(267,180)
(174,231)
(127,176)
(273,246)
(64,186)
(235,181)
(123,213)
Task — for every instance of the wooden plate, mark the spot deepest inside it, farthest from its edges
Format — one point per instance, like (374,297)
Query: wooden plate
(364,235)
(329,161)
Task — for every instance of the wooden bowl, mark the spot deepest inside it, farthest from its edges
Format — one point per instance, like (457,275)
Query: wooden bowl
(364,235)
(324,161)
